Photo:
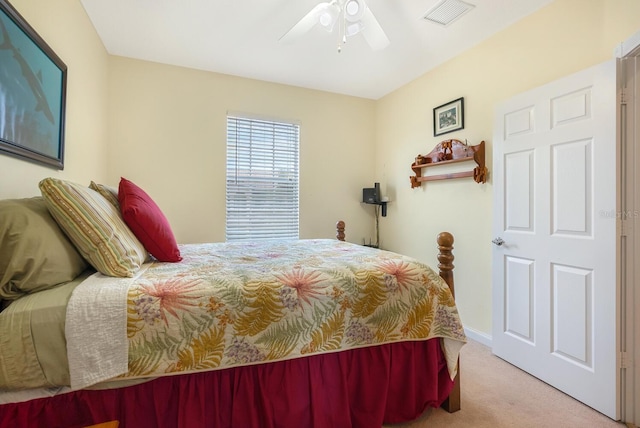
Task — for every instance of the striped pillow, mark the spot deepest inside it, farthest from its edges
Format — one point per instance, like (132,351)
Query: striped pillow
(95,227)
(109,193)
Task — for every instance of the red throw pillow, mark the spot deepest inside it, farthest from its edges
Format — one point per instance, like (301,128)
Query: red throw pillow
(147,222)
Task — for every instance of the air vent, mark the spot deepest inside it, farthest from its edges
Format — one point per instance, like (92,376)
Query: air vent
(447,11)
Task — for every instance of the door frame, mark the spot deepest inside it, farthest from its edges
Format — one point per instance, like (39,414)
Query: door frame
(628,106)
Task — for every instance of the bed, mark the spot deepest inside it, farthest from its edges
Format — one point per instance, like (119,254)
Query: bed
(140,330)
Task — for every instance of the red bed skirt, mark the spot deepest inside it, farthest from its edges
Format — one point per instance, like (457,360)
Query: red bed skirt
(358,388)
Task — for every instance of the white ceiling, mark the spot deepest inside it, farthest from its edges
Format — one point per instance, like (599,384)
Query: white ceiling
(240,37)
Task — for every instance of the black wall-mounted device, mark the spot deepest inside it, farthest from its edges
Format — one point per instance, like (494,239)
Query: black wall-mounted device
(371,195)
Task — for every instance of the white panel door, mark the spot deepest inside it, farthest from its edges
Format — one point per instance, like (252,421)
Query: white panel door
(554,252)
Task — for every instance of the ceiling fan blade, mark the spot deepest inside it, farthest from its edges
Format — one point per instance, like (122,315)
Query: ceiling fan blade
(305,24)
(373,32)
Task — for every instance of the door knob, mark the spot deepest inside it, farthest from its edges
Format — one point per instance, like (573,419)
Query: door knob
(498,241)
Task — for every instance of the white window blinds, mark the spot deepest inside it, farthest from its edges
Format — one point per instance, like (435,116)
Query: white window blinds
(262,179)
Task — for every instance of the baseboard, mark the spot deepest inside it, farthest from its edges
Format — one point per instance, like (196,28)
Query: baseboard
(479,336)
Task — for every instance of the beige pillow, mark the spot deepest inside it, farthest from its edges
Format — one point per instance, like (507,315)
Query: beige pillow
(109,193)
(95,226)
(35,254)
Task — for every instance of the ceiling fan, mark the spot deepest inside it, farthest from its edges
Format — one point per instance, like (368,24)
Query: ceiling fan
(350,16)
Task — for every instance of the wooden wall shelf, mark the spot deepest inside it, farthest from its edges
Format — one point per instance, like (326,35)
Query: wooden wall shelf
(448,152)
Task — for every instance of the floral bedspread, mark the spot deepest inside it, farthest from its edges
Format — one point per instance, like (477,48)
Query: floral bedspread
(234,304)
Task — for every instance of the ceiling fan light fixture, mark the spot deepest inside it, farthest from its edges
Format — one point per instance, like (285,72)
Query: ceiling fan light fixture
(328,16)
(354,10)
(326,19)
(353,29)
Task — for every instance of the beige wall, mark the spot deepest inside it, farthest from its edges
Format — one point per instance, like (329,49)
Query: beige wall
(167,133)
(562,38)
(65,27)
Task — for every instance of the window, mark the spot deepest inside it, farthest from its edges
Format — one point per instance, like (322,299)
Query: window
(262,179)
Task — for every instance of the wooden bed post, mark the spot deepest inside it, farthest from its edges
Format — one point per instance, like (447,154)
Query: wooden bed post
(445,257)
(340,230)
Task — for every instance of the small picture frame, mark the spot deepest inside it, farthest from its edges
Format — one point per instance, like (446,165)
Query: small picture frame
(448,117)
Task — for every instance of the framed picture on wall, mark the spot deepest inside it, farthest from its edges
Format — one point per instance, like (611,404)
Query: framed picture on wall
(448,117)
(33,81)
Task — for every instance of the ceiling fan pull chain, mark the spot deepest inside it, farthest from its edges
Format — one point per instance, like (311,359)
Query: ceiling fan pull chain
(342,37)
(339,41)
